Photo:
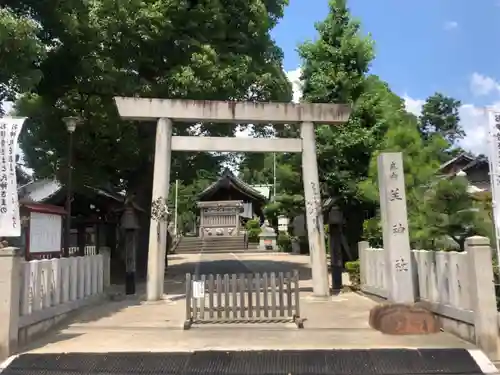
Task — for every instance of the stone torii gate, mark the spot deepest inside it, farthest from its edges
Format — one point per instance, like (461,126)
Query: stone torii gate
(165,111)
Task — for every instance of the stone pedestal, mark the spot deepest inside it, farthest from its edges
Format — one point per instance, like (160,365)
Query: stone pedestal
(267,241)
(10,281)
(403,319)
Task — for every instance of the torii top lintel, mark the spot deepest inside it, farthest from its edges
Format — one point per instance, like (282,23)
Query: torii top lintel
(230,111)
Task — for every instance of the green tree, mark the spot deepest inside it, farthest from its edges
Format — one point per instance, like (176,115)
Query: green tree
(22,52)
(152,49)
(448,210)
(187,197)
(420,161)
(257,168)
(440,116)
(175,49)
(335,68)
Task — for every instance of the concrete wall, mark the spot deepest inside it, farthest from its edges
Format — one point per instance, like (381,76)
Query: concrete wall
(457,287)
(36,295)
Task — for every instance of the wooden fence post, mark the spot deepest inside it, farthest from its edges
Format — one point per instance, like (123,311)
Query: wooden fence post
(237,298)
(189,320)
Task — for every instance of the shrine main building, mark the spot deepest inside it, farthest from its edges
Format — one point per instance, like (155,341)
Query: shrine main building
(227,204)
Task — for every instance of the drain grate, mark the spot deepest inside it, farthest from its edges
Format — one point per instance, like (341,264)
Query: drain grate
(339,362)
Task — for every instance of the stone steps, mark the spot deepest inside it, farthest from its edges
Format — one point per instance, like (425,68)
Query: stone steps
(192,245)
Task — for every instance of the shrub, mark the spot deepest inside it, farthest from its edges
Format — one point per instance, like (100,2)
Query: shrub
(284,242)
(253,235)
(252,224)
(353,269)
(253,230)
(372,231)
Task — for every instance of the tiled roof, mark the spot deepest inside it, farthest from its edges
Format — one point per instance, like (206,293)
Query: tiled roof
(475,163)
(245,188)
(41,190)
(463,155)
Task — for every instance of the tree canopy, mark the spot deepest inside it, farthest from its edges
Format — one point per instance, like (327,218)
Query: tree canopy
(335,69)
(72,58)
(22,51)
(170,49)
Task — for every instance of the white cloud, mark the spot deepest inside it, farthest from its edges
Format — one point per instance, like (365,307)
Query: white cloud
(450,25)
(481,85)
(7,106)
(294,77)
(413,105)
(473,120)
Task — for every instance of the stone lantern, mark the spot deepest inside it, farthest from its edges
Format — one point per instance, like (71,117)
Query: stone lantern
(283,223)
(336,221)
(130,225)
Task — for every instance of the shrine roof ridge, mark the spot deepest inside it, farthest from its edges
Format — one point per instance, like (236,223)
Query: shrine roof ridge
(39,191)
(237,182)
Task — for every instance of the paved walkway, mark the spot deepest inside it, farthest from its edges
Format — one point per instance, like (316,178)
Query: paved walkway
(134,325)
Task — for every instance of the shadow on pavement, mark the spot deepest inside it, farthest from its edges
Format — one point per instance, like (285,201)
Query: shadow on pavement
(174,287)
(229,266)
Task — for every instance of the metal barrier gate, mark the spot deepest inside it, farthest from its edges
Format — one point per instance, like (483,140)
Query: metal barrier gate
(248,298)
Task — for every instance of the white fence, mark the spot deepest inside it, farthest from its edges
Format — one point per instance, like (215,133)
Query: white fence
(53,287)
(73,251)
(444,281)
(441,278)
(373,275)
(88,250)
(458,287)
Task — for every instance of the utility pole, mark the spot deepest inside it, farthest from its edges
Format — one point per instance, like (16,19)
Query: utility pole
(176,203)
(71,123)
(274,176)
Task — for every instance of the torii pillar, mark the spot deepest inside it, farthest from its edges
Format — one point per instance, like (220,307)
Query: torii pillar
(167,110)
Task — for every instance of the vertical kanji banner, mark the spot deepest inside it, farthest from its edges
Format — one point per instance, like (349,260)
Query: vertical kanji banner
(494,160)
(10,128)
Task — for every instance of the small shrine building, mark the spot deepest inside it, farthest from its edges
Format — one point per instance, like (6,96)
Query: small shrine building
(227,204)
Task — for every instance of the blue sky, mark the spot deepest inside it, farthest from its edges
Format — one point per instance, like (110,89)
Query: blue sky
(421,47)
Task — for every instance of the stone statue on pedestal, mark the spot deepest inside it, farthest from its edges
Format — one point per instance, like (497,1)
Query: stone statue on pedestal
(267,237)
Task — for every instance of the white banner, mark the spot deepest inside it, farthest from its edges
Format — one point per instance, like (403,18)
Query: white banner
(10,225)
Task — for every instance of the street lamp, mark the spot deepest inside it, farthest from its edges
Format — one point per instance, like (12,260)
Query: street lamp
(71,123)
